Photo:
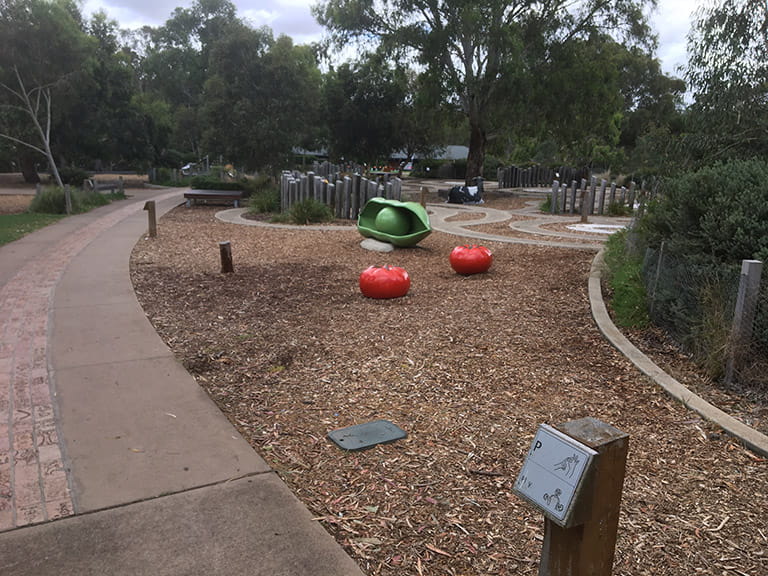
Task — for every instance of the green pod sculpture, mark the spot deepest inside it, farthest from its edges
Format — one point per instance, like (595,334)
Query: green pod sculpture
(393,221)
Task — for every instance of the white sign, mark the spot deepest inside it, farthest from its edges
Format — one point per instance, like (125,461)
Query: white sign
(553,472)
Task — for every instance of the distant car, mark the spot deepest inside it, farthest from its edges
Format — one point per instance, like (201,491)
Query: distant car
(189,169)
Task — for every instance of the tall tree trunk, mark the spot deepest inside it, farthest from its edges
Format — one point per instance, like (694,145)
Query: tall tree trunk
(477,142)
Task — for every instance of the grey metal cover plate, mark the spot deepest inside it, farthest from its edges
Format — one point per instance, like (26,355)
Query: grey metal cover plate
(362,436)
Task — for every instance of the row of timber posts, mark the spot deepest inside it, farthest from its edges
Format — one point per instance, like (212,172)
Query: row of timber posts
(515,177)
(345,194)
(564,198)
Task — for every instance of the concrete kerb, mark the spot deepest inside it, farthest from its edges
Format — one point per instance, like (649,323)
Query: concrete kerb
(751,438)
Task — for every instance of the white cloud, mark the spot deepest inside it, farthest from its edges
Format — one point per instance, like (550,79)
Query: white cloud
(294,18)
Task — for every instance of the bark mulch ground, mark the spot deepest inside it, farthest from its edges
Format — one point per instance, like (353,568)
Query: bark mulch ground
(469,366)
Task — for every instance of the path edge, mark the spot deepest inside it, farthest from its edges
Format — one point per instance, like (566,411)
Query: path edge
(751,438)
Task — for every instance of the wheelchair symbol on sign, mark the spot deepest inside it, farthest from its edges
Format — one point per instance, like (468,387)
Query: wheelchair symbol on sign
(553,500)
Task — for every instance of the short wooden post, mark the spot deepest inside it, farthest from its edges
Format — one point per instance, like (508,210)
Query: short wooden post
(225,250)
(424,191)
(573,196)
(67,199)
(588,549)
(554,204)
(149,206)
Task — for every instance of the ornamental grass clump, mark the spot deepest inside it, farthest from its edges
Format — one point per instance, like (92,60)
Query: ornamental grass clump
(310,211)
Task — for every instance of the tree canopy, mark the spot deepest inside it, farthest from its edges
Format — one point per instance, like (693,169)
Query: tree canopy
(522,81)
(728,76)
(477,50)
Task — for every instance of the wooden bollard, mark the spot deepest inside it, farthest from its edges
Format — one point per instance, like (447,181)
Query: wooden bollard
(225,250)
(588,548)
(149,206)
(586,198)
(424,191)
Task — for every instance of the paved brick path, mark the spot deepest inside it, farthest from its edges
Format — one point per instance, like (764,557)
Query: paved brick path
(33,479)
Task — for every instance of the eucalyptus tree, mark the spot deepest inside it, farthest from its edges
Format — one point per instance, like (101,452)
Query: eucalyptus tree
(42,47)
(362,101)
(175,63)
(478,50)
(728,75)
(103,119)
(261,98)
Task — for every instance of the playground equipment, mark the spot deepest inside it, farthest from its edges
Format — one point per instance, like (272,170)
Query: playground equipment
(399,223)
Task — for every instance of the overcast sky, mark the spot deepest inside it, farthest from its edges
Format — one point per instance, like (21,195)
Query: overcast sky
(293,18)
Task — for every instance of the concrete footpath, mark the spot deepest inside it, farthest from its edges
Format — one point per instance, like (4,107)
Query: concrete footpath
(112,459)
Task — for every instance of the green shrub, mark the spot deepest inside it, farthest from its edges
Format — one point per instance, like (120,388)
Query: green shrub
(720,210)
(265,201)
(73,175)
(491,166)
(546,204)
(427,168)
(618,209)
(624,277)
(212,183)
(257,185)
(309,211)
(52,200)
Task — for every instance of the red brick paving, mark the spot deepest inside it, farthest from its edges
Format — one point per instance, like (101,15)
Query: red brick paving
(33,478)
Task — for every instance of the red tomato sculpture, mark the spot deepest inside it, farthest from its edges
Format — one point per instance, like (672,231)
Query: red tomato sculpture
(384,282)
(471,259)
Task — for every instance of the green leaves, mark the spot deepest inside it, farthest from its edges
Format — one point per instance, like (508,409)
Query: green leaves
(728,74)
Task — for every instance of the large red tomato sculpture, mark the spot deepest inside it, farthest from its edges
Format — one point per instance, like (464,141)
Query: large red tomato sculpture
(471,259)
(384,282)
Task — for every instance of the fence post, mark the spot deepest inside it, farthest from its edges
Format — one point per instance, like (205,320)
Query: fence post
(601,201)
(573,196)
(67,199)
(656,278)
(553,204)
(744,314)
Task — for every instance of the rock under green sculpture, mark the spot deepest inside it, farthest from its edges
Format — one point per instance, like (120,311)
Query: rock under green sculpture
(393,221)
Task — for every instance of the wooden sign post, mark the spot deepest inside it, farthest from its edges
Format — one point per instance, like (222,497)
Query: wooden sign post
(149,206)
(574,473)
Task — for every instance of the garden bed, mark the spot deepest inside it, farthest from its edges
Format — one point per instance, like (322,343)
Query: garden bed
(468,366)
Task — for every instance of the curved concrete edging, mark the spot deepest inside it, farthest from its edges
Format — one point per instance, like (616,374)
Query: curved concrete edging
(750,437)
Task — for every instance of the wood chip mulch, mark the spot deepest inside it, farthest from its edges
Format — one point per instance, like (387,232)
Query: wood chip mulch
(469,366)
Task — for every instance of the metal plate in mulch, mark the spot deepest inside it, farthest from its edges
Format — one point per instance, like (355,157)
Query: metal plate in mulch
(362,436)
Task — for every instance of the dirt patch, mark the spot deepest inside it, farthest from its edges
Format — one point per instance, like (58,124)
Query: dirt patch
(469,366)
(14,203)
(14,180)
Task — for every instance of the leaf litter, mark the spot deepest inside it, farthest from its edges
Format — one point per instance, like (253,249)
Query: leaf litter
(289,350)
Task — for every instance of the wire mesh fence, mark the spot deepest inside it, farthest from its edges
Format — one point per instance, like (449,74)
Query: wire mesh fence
(697,302)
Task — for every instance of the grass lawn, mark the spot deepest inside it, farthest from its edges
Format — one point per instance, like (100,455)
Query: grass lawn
(14,226)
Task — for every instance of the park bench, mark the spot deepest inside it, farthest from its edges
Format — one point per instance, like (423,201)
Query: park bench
(104,185)
(193,196)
